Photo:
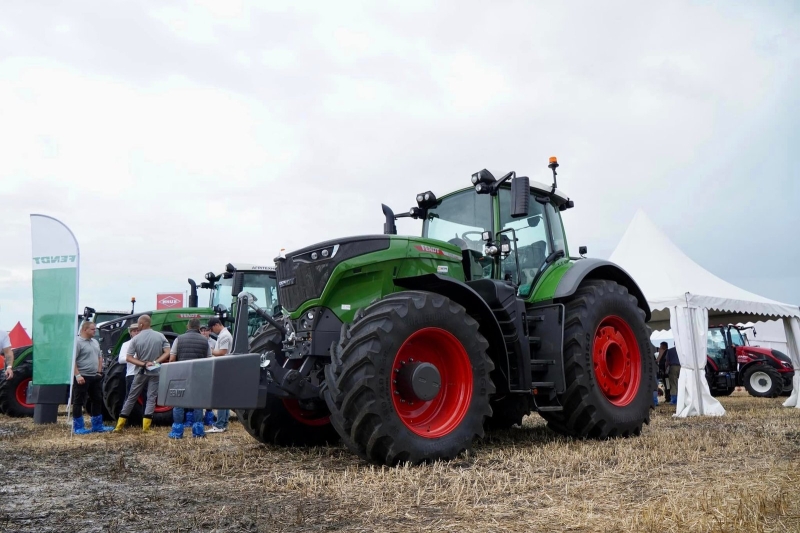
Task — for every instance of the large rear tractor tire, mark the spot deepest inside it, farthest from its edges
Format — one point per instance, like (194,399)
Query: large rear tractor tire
(13,392)
(286,422)
(609,370)
(409,380)
(762,381)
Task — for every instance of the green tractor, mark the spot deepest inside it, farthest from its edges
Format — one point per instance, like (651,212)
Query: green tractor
(13,392)
(410,348)
(224,287)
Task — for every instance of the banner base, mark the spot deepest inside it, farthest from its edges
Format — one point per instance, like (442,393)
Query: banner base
(47,398)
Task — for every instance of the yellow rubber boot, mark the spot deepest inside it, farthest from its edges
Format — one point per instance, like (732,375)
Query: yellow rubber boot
(121,421)
(146,424)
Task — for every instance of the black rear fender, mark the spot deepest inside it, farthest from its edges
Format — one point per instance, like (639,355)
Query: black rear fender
(586,269)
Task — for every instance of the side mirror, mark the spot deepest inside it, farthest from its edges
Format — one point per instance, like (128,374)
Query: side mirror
(238,284)
(534,221)
(520,197)
(583,250)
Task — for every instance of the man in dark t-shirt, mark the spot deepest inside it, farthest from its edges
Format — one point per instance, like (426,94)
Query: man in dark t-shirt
(191,345)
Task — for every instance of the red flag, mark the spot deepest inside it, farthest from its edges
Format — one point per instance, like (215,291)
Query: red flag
(19,337)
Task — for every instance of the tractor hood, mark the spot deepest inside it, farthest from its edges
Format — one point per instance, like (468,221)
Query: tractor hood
(302,274)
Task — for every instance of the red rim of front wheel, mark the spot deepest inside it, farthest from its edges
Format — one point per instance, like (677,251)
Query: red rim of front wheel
(442,414)
(617,361)
(22,394)
(309,418)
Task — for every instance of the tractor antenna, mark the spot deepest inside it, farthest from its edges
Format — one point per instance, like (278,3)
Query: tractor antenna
(554,165)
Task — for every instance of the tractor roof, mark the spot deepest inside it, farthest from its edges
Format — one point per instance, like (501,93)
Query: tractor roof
(246,267)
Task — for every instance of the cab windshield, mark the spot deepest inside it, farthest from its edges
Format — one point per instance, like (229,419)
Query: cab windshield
(461,219)
(736,337)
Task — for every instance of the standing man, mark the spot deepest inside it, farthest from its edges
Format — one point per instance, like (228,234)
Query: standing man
(221,348)
(190,345)
(130,370)
(8,353)
(88,379)
(674,372)
(662,369)
(149,347)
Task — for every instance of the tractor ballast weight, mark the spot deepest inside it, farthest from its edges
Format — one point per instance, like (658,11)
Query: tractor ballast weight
(409,348)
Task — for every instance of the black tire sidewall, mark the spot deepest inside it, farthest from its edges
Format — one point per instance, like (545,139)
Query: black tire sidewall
(774,375)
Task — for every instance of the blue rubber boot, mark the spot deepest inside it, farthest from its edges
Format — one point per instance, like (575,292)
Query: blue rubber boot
(197,430)
(97,425)
(78,427)
(177,431)
(209,419)
(188,418)
(655,398)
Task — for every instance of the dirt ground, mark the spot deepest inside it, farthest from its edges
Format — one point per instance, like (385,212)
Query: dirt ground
(743,470)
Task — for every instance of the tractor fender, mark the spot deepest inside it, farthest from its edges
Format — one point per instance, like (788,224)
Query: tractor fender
(476,307)
(599,269)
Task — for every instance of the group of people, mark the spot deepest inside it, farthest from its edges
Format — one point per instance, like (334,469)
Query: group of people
(144,353)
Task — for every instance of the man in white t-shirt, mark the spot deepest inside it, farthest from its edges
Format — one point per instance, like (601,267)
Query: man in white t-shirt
(8,353)
(222,347)
(130,371)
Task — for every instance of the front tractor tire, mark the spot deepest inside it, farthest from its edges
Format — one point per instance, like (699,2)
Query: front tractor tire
(286,422)
(608,365)
(409,380)
(762,381)
(13,392)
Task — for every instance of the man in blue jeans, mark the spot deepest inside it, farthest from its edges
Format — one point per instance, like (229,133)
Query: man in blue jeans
(222,347)
(190,345)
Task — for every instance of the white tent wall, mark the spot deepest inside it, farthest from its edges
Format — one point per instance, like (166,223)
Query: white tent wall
(792,327)
(690,328)
(770,334)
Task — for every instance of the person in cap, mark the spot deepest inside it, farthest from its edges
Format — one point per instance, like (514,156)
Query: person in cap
(189,346)
(145,350)
(130,370)
(87,380)
(222,347)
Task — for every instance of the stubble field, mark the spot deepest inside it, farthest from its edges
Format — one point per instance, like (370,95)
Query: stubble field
(740,472)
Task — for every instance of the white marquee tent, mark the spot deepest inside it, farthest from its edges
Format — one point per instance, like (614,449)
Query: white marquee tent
(686,298)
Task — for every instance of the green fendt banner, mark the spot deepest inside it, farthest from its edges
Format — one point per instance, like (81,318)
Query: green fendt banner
(55,300)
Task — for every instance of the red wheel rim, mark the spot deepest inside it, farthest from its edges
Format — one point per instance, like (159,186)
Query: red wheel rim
(22,394)
(616,360)
(442,414)
(309,418)
(158,409)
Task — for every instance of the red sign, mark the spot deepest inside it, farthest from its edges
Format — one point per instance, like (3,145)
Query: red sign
(169,300)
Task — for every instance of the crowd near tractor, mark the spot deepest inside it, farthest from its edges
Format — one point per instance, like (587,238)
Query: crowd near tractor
(13,392)
(732,362)
(409,348)
(172,322)
(112,332)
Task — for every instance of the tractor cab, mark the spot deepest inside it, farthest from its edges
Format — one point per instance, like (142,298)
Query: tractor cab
(255,279)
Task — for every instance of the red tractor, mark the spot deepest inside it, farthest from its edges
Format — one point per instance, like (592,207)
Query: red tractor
(732,362)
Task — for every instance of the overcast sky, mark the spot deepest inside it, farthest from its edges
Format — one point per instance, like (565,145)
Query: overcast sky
(175,137)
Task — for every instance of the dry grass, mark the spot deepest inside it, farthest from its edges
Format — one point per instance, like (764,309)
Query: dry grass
(743,470)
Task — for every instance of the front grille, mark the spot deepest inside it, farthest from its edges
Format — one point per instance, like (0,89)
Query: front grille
(302,276)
